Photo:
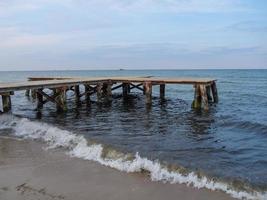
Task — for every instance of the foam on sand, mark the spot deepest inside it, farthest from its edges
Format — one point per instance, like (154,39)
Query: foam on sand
(78,146)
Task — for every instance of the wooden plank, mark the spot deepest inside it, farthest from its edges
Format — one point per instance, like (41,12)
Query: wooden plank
(6,87)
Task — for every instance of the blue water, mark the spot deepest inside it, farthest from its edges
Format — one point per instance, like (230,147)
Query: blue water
(229,142)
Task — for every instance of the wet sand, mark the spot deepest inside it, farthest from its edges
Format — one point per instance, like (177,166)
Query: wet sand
(27,171)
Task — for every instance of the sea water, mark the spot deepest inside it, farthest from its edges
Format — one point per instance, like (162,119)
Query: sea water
(224,148)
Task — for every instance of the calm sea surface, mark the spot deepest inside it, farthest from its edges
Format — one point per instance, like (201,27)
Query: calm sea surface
(227,143)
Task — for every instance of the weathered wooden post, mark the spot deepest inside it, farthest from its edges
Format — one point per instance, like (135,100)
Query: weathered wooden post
(109,91)
(204,97)
(208,89)
(6,102)
(39,98)
(99,91)
(197,97)
(125,89)
(27,93)
(61,99)
(87,94)
(162,91)
(129,88)
(77,93)
(33,93)
(148,90)
(144,89)
(214,92)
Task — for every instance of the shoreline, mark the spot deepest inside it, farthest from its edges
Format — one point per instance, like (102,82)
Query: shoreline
(27,171)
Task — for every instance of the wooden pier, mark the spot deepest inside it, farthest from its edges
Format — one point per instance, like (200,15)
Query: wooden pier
(205,89)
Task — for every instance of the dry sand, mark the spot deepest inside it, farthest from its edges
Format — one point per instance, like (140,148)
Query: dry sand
(29,172)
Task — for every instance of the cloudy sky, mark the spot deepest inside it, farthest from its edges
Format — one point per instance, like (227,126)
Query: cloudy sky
(132,34)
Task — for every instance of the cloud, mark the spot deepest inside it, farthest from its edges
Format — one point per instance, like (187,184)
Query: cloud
(249,26)
(183,6)
(13,38)
(226,50)
(134,56)
(166,5)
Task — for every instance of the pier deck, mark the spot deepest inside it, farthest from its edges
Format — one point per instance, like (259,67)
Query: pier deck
(205,89)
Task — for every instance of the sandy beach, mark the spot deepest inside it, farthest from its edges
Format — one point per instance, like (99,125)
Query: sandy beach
(28,171)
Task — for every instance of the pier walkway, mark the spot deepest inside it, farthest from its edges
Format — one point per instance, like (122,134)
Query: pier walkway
(205,89)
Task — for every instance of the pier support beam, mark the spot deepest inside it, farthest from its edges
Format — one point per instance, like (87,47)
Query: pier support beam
(99,91)
(214,92)
(27,93)
(6,102)
(197,98)
(204,97)
(61,99)
(144,89)
(109,91)
(87,94)
(208,89)
(33,93)
(201,97)
(77,93)
(40,100)
(148,92)
(125,89)
(162,91)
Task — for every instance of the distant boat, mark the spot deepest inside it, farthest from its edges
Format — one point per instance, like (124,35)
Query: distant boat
(121,69)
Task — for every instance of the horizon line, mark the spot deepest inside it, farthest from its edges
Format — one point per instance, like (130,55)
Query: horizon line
(131,69)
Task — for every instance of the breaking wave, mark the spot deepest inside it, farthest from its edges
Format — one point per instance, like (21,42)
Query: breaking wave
(79,146)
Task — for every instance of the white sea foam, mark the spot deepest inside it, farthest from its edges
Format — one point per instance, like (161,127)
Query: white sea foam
(77,145)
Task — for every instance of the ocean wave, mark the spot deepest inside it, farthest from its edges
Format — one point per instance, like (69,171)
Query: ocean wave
(78,146)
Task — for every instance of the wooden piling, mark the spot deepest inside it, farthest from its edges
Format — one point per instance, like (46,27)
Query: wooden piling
(77,93)
(125,89)
(87,94)
(33,93)
(27,93)
(61,99)
(148,91)
(144,89)
(208,89)
(109,91)
(6,102)
(214,92)
(39,97)
(129,88)
(197,97)
(99,92)
(162,91)
(204,97)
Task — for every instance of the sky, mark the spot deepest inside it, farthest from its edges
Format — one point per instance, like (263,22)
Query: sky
(132,34)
